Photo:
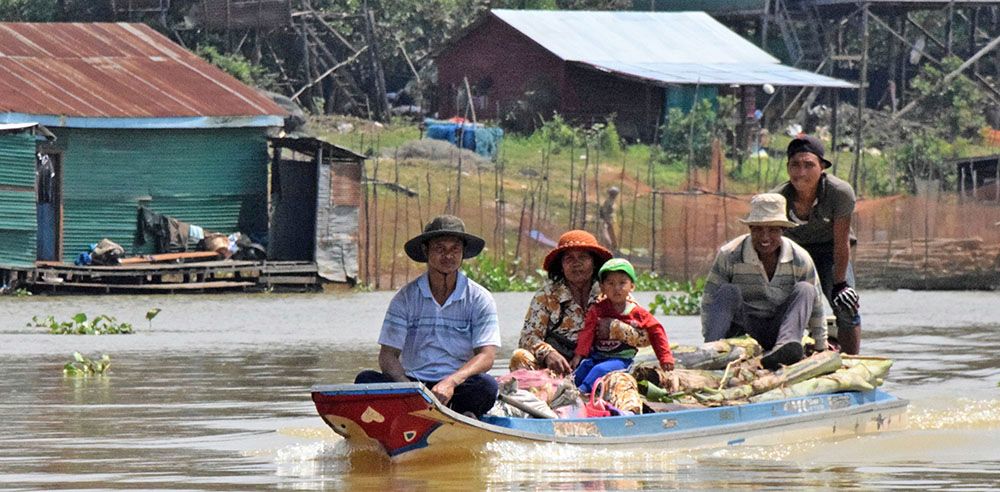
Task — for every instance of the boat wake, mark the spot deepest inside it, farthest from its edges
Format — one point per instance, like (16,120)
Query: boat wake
(965,414)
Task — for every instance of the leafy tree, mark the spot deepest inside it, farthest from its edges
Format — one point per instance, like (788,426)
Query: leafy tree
(692,133)
(956,107)
(921,158)
(27,10)
(237,66)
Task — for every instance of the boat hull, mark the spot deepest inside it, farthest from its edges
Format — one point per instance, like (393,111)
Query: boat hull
(407,422)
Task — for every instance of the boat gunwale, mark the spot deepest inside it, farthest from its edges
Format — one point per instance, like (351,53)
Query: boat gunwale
(884,402)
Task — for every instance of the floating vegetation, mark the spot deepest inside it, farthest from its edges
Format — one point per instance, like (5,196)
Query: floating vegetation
(85,366)
(101,324)
(496,277)
(652,281)
(685,304)
(152,314)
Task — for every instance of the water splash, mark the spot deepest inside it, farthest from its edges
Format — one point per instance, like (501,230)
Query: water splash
(324,433)
(966,414)
(775,452)
(547,454)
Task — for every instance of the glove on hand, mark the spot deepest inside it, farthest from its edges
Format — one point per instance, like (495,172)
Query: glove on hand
(845,297)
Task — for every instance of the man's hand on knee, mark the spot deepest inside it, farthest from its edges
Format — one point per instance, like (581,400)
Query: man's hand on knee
(444,390)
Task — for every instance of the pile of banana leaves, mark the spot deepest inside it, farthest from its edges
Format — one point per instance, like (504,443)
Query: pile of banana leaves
(728,372)
(724,372)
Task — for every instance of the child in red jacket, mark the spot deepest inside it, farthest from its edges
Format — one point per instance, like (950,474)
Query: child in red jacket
(594,359)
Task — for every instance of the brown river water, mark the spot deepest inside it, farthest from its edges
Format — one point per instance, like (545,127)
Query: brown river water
(214,395)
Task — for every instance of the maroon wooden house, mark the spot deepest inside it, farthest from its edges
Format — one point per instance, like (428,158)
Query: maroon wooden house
(589,65)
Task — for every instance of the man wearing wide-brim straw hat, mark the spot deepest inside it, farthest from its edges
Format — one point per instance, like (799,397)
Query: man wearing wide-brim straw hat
(764,285)
(441,329)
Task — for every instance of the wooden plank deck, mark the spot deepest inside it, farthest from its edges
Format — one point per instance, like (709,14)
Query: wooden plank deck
(216,275)
(165,287)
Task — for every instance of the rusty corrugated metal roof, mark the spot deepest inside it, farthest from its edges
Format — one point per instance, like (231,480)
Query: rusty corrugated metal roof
(120,70)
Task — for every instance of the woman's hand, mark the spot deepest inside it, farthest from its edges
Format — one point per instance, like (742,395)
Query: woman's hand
(557,363)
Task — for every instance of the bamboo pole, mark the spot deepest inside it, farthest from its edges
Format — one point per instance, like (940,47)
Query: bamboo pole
(621,203)
(572,181)
(430,209)
(367,256)
(531,223)
(663,213)
(961,185)
(862,94)
(501,208)
(406,233)
(635,206)
(520,225)
(725,216)
(652,230)
(375,212)
(690,163)
(597,184)
(975,187)
(685,228)
(583,187)
(395,221)
(892,232)
(547,160)
(482,219)
(496,209)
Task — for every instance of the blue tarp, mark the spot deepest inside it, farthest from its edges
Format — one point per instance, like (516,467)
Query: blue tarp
(482,140)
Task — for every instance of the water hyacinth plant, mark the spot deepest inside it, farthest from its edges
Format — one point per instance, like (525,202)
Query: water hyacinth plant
(102,324)
(493,274)
(83,366)
(152,314)
(688,303)
(652,281)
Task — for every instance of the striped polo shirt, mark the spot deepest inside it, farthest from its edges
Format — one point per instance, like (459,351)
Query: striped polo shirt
(737,263)
(436,340)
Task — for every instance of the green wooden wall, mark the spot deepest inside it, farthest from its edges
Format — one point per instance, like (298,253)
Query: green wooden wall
(17,199)
(206,177)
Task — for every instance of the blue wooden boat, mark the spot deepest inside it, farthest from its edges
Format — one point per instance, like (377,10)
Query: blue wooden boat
(407,422)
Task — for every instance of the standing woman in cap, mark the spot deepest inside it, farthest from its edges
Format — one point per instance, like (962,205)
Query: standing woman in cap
(821,205)
(555,316)
(441,329)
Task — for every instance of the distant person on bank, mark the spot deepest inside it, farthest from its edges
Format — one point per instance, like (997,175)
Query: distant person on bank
(764,285)
(441,329)
(821,205)
(555,317)
(606,224)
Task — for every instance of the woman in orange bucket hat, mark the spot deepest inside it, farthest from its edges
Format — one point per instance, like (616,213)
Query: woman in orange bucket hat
(555,316)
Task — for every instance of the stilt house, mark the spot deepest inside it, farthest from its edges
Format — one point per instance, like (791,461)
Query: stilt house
(137,120)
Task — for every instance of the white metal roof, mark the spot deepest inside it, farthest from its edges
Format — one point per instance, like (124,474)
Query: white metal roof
(661,47)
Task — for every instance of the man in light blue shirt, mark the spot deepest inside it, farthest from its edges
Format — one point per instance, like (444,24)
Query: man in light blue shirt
(441,329)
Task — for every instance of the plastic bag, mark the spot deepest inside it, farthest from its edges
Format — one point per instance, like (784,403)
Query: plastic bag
(597,407)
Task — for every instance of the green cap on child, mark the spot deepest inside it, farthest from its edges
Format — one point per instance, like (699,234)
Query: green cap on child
(617,265)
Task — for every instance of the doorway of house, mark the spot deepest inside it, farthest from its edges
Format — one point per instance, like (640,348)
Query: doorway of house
(48,205)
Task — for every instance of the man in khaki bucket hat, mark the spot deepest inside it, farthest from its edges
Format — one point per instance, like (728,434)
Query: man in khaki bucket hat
(764,285)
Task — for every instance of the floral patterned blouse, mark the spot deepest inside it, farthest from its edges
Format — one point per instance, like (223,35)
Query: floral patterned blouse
(555,315)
